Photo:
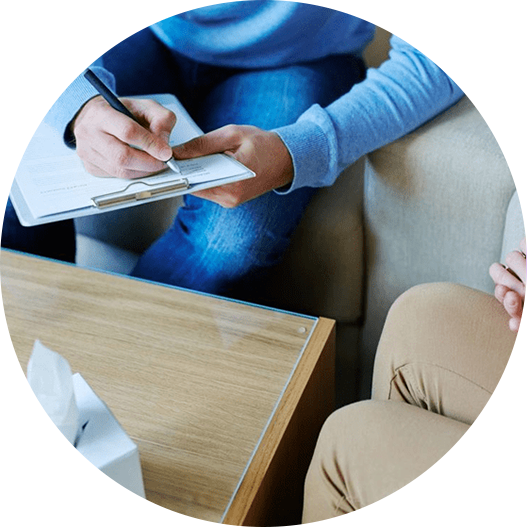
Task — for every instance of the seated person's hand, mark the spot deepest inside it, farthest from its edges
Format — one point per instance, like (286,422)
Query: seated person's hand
(262,152)
(510,283)
(104,137)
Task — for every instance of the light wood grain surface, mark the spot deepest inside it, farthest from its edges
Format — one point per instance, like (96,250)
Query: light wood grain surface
(193,379)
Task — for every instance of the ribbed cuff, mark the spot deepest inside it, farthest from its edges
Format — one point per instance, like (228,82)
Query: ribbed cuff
(309,149)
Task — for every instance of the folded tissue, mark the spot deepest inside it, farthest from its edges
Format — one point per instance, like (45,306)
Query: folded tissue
(84,418)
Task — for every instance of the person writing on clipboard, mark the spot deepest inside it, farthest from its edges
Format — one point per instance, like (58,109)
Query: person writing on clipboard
(282,87)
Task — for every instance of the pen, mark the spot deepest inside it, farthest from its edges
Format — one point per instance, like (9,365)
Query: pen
(116,104)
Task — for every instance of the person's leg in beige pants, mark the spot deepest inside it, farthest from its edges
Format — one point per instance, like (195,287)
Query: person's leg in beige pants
(442,352)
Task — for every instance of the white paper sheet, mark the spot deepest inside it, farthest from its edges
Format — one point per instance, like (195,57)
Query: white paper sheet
(51,178)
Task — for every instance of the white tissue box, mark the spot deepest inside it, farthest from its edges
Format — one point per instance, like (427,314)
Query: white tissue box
(103,447)
(83,418)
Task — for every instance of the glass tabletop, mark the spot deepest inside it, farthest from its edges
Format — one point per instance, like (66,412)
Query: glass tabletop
(193,379)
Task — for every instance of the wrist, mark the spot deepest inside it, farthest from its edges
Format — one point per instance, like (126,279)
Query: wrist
(302,139)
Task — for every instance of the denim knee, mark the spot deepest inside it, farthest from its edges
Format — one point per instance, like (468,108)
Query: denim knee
(216,250)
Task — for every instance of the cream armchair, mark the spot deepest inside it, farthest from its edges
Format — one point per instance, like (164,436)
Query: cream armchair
(438,205)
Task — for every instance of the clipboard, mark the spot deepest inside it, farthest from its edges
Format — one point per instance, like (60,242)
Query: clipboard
(51,183)
(111,200)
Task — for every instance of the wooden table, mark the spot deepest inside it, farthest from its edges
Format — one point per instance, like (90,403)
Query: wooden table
(224,399)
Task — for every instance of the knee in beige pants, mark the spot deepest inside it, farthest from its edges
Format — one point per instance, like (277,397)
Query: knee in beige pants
(444,348)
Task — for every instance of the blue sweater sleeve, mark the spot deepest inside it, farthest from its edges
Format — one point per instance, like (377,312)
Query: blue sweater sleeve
(403,93)
(79,92)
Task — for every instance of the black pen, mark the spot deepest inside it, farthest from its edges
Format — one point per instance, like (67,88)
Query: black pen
(116,104)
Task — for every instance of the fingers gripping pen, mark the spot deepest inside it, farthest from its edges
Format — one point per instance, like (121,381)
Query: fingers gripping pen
(116,104)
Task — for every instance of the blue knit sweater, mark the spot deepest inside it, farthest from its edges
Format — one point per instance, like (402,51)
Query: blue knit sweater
(406,91)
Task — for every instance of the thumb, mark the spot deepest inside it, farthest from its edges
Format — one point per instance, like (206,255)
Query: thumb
(158,122)
(165,136)
(199,146)
(155,145)
(218,141)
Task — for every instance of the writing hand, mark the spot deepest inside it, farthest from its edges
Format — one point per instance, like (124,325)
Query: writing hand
(510,286)
(262,152)
(104,137)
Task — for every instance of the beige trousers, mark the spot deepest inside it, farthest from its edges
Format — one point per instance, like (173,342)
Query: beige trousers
(442,352)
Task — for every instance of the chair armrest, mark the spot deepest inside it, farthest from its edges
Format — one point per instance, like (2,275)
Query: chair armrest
(322,271)
(435,209)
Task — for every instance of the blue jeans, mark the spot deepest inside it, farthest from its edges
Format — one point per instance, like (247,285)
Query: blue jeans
(209,248)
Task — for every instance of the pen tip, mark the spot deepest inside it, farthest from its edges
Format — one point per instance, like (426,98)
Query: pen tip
(171,163)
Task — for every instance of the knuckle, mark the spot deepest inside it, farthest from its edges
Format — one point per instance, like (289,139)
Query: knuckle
(511,299)
(170,118)
(127,130)
(500,291)
(197,144)
(200,142)
(232,131)
(121,158)
(148,143)
(122,173)
(81,150)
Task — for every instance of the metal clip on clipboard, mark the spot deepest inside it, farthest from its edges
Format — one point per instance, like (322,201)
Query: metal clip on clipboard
(118,198)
